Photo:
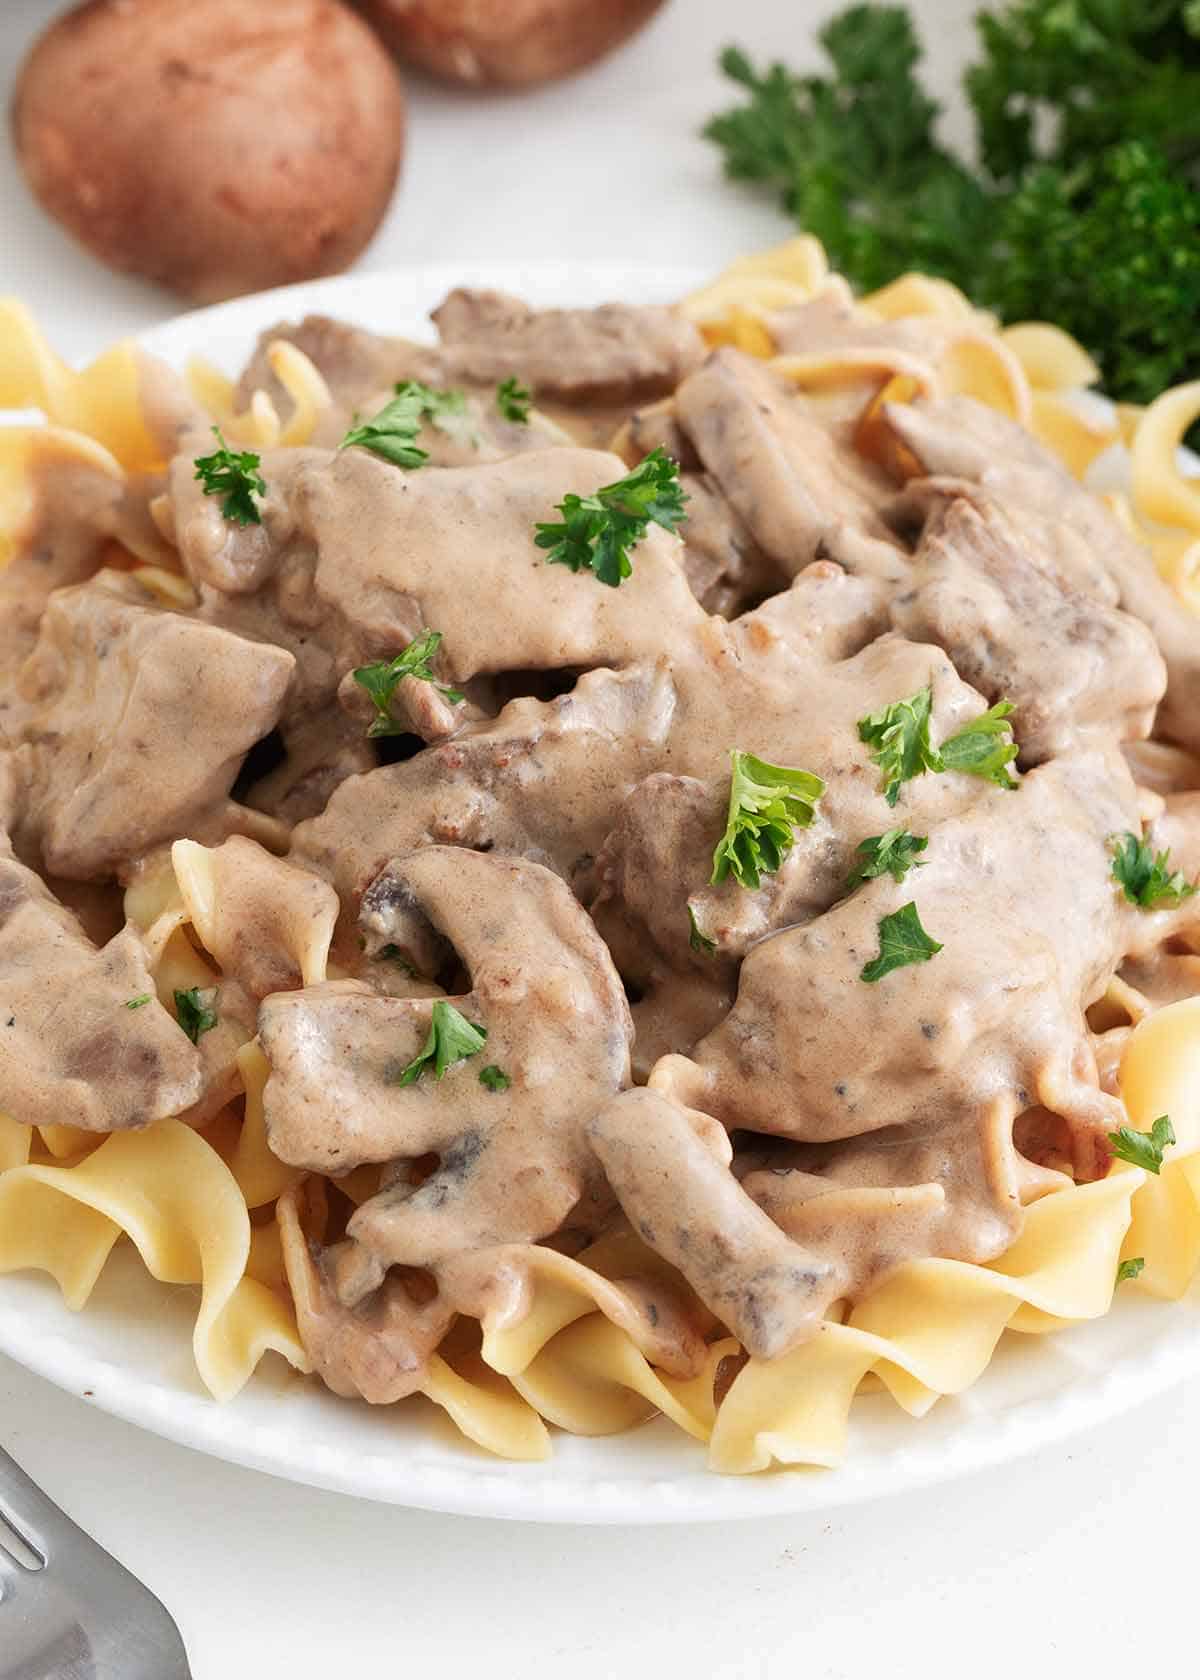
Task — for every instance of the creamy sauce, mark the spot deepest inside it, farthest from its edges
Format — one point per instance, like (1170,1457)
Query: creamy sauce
(779,1132)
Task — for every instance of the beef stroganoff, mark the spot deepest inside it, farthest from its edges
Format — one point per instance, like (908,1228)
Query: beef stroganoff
(630,860)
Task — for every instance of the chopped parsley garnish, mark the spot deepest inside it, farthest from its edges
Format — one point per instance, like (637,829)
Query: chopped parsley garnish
(1143,1149)
(514,401)
(234,476)
(902,940)
(597,532)
(892,853)
(194,1015)
(1130,1269)
(452,1038)
(767,803)
(899,738)
(137,1002)
(1145,877)
(393,432)
(979,750)
(696,939)
(494,1078)
(383,678)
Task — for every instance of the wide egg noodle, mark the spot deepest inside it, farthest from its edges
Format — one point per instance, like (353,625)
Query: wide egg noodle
(259,425)
(170,1192)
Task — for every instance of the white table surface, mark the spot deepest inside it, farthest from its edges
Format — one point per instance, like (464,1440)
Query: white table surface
(1083,1555)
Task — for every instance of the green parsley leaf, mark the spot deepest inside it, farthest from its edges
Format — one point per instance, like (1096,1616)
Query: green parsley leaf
(697,940)
(235,477)
(978,750)
(494,1078)
(902,940)
(514,400)
(767,803)
(892,853)
(137,1002)
(194,1015)
(383,677)
(452,1038)
(1146,878)
(1130,1269)
(596,532)
(1143,1149)
(392,433)
(899,737)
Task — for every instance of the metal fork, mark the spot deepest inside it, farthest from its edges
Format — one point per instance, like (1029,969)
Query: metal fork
(74,1613)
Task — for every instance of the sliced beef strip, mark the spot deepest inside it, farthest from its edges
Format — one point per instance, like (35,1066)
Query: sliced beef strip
(1017,629)
(958,438)
(80,511)
(72,1049)
(791,478)
(135,723)
(725,567)
(354,363)
(615,353)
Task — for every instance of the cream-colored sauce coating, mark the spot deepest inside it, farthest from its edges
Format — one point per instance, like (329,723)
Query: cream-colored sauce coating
(778,1130)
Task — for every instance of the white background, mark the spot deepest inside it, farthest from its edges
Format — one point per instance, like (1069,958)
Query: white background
(1082,1557)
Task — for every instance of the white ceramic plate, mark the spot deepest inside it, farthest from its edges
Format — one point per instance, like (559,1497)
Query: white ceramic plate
(129,1351)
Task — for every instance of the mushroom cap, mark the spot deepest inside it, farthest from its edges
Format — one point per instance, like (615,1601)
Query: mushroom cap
(218,148)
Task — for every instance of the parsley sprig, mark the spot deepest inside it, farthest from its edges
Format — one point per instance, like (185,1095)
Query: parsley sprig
(194,1015)
(1088,141)
(892,853)
(902,940)
(901,745)
(899,738)
(494,1078)
(1146,877)
(980,749)
(767,803)
(392,433)
(452,1038)
(383,677)
(514,401)
(1131,1268)
(1143,1149)
(597,532)
(234,476)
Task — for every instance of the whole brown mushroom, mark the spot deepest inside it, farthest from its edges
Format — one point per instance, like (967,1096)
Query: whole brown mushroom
(215,146)
(506,43)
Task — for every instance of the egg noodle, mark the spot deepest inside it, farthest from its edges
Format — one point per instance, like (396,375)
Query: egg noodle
(212,1207)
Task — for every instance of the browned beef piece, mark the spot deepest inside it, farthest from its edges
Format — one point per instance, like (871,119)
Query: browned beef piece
(1018,629)
(137,721)
(355,364)
(792,479)
(725,567)
(84,1040)
(959,438)
(614,353)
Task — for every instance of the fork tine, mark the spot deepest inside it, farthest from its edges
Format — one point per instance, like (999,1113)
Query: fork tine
(81,1595)
(28,1511)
